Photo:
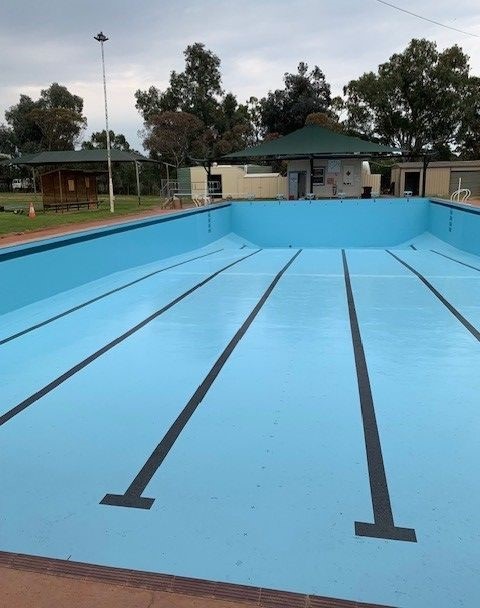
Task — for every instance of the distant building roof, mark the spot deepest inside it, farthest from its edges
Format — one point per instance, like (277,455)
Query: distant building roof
(313,141)
(60,157)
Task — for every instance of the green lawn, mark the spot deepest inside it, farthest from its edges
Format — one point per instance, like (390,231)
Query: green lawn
(20,222)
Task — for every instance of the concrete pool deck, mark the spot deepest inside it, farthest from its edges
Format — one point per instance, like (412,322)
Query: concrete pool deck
(22,238)
(43,582)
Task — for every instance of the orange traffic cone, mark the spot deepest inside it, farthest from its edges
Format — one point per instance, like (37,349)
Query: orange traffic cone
(31,211)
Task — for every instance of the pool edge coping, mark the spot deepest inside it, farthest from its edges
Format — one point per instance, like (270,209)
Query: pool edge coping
(180,585)
(53,242)
(121,224)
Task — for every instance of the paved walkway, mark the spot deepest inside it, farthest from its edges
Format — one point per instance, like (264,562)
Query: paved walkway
(28,581)
(19,238)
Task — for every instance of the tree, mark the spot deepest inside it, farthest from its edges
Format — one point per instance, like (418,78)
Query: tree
(175,136)
(148,103)
(324,120)
(468,138)
(123,174)
(7,141)
(58,115)
(285,110)
(99,140)
(54,121)
(60,127)
(26,134)
(414,101)
(58,96)
(233,130)
(196,90)
(255,117)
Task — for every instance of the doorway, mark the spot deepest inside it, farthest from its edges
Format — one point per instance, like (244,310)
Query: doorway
(412,182)
(297,184)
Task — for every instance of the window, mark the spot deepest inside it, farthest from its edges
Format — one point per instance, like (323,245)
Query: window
(71,185)
(318,176)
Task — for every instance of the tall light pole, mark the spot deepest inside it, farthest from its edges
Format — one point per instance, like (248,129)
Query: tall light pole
(102,38)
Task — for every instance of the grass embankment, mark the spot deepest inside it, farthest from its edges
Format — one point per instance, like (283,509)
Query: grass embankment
(20,222)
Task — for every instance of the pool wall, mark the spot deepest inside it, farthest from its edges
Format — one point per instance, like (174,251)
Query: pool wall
(350,223)
(457,225)
(32,272)
(36,271)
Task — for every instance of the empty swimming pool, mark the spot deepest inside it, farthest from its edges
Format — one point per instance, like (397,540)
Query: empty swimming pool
(282,395)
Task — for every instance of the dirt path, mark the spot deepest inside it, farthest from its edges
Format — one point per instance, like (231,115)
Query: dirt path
(19,238)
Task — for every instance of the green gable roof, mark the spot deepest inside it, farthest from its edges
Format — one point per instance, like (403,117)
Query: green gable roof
(60,157)
(312,141)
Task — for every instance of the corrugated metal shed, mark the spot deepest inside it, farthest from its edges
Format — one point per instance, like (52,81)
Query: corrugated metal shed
(442,176)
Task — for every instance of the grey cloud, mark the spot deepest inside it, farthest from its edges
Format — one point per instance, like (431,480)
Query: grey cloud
(42,42)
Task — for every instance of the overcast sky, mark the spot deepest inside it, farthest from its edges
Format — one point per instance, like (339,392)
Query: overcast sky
(257,41)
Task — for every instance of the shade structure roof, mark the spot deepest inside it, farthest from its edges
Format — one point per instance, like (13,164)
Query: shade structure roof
(313,141)
(61,157)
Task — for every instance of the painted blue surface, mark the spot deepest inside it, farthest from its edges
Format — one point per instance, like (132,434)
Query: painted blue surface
(458,225)
(264,484)
(351,223)
(66,262)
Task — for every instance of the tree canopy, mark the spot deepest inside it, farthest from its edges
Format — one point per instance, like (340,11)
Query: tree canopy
(285,110)
(221,126)
(53,122)
(174,135)
(418,100)
(98,139)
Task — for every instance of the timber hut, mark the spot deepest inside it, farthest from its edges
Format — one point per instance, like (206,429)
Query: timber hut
(65,188)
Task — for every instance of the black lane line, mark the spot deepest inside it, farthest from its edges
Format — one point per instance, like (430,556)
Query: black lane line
(413,247)
(454,260)
(79,366)
(473,330)
(133,496)
(384,524)
(100,297)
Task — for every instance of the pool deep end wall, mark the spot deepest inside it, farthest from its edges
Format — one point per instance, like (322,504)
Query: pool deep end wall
(350,223)
(39,270)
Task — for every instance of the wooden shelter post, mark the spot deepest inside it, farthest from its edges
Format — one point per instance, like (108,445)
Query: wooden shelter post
(426,160)
(61,187)
(137,175)
(311,176)
(34,185)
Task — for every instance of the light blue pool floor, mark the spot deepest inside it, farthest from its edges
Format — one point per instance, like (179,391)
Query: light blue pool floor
(265,482)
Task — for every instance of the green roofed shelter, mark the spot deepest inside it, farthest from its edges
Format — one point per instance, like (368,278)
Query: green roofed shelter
(313,141)
(61,157)
(320,163)
(75,157)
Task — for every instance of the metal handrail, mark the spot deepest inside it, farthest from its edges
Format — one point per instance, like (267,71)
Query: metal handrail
(467,193)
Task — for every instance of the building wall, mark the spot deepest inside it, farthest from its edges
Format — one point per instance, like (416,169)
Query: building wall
(442,177)
(263,186)
(238,184)
(334,182)
(68,187)
(438,182)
